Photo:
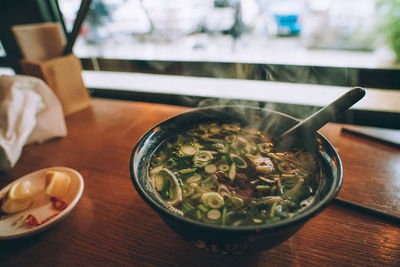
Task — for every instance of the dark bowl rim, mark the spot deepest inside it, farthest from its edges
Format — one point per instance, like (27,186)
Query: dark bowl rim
(298,219)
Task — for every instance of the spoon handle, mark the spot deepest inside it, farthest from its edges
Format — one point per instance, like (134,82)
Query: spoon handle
(318,119)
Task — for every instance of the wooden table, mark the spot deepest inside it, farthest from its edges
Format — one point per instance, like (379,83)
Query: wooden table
(111,225)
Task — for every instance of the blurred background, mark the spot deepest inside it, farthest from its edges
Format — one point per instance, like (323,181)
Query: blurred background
(322,32)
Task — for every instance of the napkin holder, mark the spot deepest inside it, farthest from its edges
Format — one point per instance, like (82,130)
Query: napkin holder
(63,75)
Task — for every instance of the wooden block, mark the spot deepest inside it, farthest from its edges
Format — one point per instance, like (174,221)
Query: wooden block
(40,41)
(64,76)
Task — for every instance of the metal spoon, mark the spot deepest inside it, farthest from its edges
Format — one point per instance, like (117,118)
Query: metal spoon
(307,128)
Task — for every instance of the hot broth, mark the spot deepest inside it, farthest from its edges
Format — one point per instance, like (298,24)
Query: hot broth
(227,174)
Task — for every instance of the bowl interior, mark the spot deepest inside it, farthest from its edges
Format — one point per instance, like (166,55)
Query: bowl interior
(270,122)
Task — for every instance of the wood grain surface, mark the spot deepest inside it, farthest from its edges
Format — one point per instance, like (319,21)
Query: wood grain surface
(112,226)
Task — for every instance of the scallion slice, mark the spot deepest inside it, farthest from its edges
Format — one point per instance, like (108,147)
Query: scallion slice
(158,182)
(232,171)
(170,182)
(203,156)
(210,168)
(187,170)
(240,163)
(213,214)
(223,167)
(212,200)
(194,178)
(188,150)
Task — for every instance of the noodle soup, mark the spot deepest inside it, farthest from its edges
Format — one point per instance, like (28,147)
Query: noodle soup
(227,174)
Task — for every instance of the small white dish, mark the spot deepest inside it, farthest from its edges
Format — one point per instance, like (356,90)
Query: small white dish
(42,207)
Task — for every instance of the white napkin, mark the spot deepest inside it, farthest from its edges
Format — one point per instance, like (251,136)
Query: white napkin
(29,112)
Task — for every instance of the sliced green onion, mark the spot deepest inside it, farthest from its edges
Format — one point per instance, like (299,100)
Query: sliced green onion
(280,187)
(200,164)
(240,163)
(269,181)
(179,182)
(269,199)
(251,157)
(158,182)
(288,175)
(165,189)
(199,215)
(213,214)
(193,179)
(232,171)
(180,154)
(171,193)
(187,170)
(220,147)
(212,200)
(195,196)
(188,150)
(210,168)
(223,221)
(175,194)
(263,187)
(203,156)
(272,213)
(202,208)
(236,202)
(188,207)
(223,167)
(188,192)
(255,220)
(264,164)
(254,181)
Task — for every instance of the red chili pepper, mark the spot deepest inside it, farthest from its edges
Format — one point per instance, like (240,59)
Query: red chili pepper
(49,218)
(58,204)
(31,220)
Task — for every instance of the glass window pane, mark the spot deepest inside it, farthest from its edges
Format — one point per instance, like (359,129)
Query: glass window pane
(2,51)
(304,32)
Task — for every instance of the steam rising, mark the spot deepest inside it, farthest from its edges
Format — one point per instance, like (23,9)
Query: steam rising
(272,126)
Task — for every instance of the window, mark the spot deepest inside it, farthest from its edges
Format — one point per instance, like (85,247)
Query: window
(339,33)
(298,52)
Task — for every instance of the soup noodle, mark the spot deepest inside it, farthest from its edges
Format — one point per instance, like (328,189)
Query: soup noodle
(223,173)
